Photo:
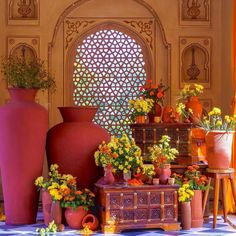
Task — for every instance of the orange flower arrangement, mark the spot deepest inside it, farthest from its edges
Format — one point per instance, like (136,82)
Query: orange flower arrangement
(156,93)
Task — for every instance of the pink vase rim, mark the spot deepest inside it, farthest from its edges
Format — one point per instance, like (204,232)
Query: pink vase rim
(78,113)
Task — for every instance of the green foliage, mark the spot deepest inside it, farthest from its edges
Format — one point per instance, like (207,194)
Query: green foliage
(20,73)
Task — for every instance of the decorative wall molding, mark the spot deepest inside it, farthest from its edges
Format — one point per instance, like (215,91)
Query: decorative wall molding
(30,45)
(73,27)
(195,60)
(194,12)
(23,12)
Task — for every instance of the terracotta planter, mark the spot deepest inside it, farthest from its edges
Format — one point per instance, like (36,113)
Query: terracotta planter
(194,104)
(47,204)
(196,209)
(219,149)
(140,119)
(90,220)
(74,217)
(56,213)
(185,215)
(72,143)
(23,127)
(163,173)
(155,112)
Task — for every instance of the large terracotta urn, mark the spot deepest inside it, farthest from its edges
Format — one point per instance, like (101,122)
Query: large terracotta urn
(72,143)
(23,127)
(196,107)
(219,149)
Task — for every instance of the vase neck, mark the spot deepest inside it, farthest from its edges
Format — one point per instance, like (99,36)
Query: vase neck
(78,113)
(20,94)
(193,98)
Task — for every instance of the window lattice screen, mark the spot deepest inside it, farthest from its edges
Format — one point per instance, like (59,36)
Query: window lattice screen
(108,72)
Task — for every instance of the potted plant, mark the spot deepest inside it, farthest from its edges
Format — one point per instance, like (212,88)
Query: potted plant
(77,203)
(27,122)
(141,108)
(122,153)
(52,189)
(219,138)
(189,95)
(185,194)
(161,155)
(156,93)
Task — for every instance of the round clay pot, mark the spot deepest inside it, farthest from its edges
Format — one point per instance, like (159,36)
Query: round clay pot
(47,204)
(196,209)
(140,119)
(219,149)
(72,143)
(74,217)
(185,215)
(23,127)
(194,104)
(90,220)
(163,173)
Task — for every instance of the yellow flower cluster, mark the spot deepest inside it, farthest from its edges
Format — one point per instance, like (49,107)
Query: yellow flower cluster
(181,109)
(191,90)
(141,106)
(122,153)
(149,170)
(163,153)
(185,193)
(214,121)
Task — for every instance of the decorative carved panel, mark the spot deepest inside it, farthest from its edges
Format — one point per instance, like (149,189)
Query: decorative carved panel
(23,12)
(195,60)
(27,45)
(194,12)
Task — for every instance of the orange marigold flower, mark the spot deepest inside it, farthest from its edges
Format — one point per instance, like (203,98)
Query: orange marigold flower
(190,168)
(78,192)
(114,155)
(72,198)
(160,94)
(151,93)
(195,167)
(149,81)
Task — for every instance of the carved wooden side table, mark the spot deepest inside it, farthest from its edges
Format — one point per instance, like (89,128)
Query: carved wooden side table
(132,207)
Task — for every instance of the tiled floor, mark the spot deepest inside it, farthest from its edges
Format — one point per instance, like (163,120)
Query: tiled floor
(222,229)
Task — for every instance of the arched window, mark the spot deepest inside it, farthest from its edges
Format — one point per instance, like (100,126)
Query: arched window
(109,69)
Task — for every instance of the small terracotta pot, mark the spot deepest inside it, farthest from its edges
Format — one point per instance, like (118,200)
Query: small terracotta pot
(74,217)
(163,173)
(185,215)
(90,220)
(140,119)
(155,181)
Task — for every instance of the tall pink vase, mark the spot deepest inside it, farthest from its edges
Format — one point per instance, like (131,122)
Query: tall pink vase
(196,209)
(72,143)
(23,127)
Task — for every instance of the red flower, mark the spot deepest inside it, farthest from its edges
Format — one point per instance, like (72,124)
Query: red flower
(160,94)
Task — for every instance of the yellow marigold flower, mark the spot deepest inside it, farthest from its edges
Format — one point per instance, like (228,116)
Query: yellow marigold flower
(216,111)
(227,119)
(218,123)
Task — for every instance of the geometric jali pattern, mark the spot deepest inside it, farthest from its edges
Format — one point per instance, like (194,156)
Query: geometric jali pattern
(108,72)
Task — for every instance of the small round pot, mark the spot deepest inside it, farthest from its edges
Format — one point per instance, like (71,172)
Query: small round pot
(91,221)
(74,217)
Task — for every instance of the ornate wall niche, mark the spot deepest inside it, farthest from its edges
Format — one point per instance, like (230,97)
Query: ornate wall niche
(194,12)
(195,58)
(27,45)
(23,12)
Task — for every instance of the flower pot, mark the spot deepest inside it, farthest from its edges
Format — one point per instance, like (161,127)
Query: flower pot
(47,204)
(72,143)
(185,215)
(90,220)
(196,209)
(23,127)
(163,173)
(155,113)
(196,107)
(56,212)
(108,177)
(140,119)
(74,217)
(219,149)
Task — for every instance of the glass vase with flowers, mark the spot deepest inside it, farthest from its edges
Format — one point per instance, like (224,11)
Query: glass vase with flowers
(189,95)
(140,107)
(156,93)
(161,155)
(219,138)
